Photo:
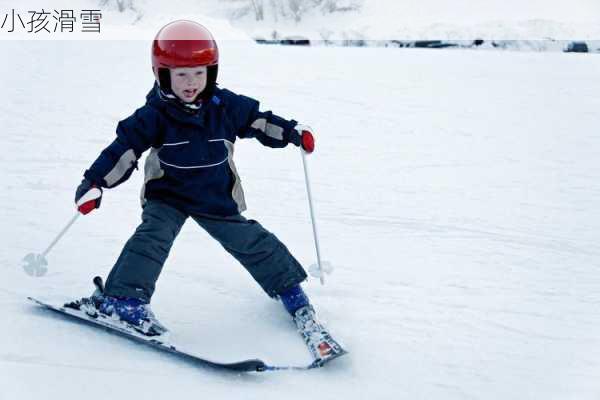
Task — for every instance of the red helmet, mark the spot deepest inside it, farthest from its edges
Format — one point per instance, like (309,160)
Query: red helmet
(184,44)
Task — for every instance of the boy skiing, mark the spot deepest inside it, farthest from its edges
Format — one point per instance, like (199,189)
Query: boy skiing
(190,127)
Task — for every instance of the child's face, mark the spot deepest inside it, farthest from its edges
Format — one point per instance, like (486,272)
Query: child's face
(187,83)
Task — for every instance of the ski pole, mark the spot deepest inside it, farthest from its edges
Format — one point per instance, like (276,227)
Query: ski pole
(61,234)
(312,216)
(35,264)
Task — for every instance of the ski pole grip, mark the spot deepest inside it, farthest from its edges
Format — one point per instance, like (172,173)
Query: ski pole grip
(89,201)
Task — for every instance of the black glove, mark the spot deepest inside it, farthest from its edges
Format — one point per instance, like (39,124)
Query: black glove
(86,206)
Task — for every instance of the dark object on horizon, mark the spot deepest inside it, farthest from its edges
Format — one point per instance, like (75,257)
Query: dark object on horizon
(422,44)
(261,40)
(478,42)
(432,44)
(577,47)
(295,41)
(396,43)
(288,41)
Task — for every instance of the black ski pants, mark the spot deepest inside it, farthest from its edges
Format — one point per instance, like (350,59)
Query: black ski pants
(141,261)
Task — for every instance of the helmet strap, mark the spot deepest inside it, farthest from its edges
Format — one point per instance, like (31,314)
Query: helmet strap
(164,79)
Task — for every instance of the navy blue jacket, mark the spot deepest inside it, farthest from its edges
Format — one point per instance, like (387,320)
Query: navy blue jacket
(190,165)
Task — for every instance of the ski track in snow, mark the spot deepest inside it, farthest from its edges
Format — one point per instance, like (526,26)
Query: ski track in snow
(456,193)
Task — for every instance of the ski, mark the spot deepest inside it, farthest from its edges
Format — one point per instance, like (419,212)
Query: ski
(154,342)
(313,365)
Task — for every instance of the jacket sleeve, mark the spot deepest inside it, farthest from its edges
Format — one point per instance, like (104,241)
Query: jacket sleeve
(135,135)
(269,129)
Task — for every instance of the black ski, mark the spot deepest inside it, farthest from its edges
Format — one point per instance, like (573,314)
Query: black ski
(100,320)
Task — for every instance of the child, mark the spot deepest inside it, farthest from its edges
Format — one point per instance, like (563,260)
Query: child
(190,126)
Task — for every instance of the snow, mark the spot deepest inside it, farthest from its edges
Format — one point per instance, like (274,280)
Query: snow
(456,194)
(435,19)
(375,20)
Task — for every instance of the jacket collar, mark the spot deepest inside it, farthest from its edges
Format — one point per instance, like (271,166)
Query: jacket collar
(175,107)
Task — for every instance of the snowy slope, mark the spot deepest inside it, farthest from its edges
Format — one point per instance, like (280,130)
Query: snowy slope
(456,193)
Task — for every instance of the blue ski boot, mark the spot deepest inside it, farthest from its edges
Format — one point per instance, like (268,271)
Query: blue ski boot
(134,312)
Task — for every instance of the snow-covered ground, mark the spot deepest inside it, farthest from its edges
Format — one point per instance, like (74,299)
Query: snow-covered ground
(456,192)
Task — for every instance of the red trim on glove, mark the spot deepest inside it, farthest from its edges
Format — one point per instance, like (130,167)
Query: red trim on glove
(87,207)
(308,141)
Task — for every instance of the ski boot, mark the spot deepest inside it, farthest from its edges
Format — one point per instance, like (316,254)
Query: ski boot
(134,313)
(321,345)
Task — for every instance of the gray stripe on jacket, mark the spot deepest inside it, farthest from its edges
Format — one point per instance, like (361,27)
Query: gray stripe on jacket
(237,193)
(271,130)
(126,161)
